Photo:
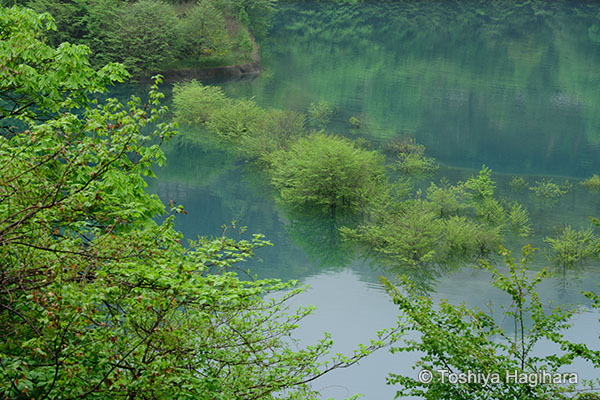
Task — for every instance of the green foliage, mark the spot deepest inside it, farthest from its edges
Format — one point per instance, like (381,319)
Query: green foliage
(203,33)
(447,199)
(146,35)
(570,246)
(279,129)
(355,122)
(227,119)
(409,233)
(415,163)
(458,339)
(454,222)
(244,45)
(592,184)
(518,220)
(464,238)
(149,35)
(481,187)
(404,145)
(195,103)
(411,156)
(327,172)
(548,192)
(39,77)
(256,14)
(319,114)
(518,184)
(238,119)
(97,299)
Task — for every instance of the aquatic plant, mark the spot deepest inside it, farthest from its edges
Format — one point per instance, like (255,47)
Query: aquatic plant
(279,129)
(319,114)
(354,121)
(548,192)
(518,220)
(416,164)
(194,103)
(570,246)
(592,184)
(327,172)
(482,186)
(404,145)
(518,184)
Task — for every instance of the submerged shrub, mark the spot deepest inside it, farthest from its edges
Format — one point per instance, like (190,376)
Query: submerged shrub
(409,233)
(518,220)
(319,114)
(279,129)
(329,172)
(195,103)
(570,246)
(404,145)
(238,119)
(518,184)
(592,184)
(549,192)
(482,186)
(411,156)
(415,163)
(227,119)
(446,199)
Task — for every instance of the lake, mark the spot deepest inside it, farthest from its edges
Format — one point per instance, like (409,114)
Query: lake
(512,85)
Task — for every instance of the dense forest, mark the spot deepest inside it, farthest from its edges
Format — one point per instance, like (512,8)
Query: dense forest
(100,297)
(152,35)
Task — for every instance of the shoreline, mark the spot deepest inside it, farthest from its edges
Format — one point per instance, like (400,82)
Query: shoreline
(238,71)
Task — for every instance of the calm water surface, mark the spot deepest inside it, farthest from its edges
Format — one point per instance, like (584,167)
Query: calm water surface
(514,86)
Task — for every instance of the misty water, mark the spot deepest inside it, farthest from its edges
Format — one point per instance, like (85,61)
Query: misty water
(512,85)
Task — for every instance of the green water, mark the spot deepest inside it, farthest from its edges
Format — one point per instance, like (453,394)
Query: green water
(512,85)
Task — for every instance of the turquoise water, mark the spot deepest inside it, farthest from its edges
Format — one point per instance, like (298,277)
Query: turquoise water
(512,85)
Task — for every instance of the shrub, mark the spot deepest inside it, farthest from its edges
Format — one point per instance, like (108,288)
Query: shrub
(518,220)
(404,145)
(415,163)
(280,128)
(448,200)
(408,233)
(592,184)
(146,35)
(236,119)
(194,103)
(570,246)
(202,33)
(518,184)
(461,339)
(319,114)
(482,186)
(329,172)
(548,192)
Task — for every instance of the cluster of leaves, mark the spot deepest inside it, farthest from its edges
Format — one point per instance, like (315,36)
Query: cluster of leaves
(518,184)
(148,35)
(458,340)
(411,156)
(328,172)
(308,169)
(461,221)
(570,246)
(319,114)
(97,299)
(592,184)
(548,192)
